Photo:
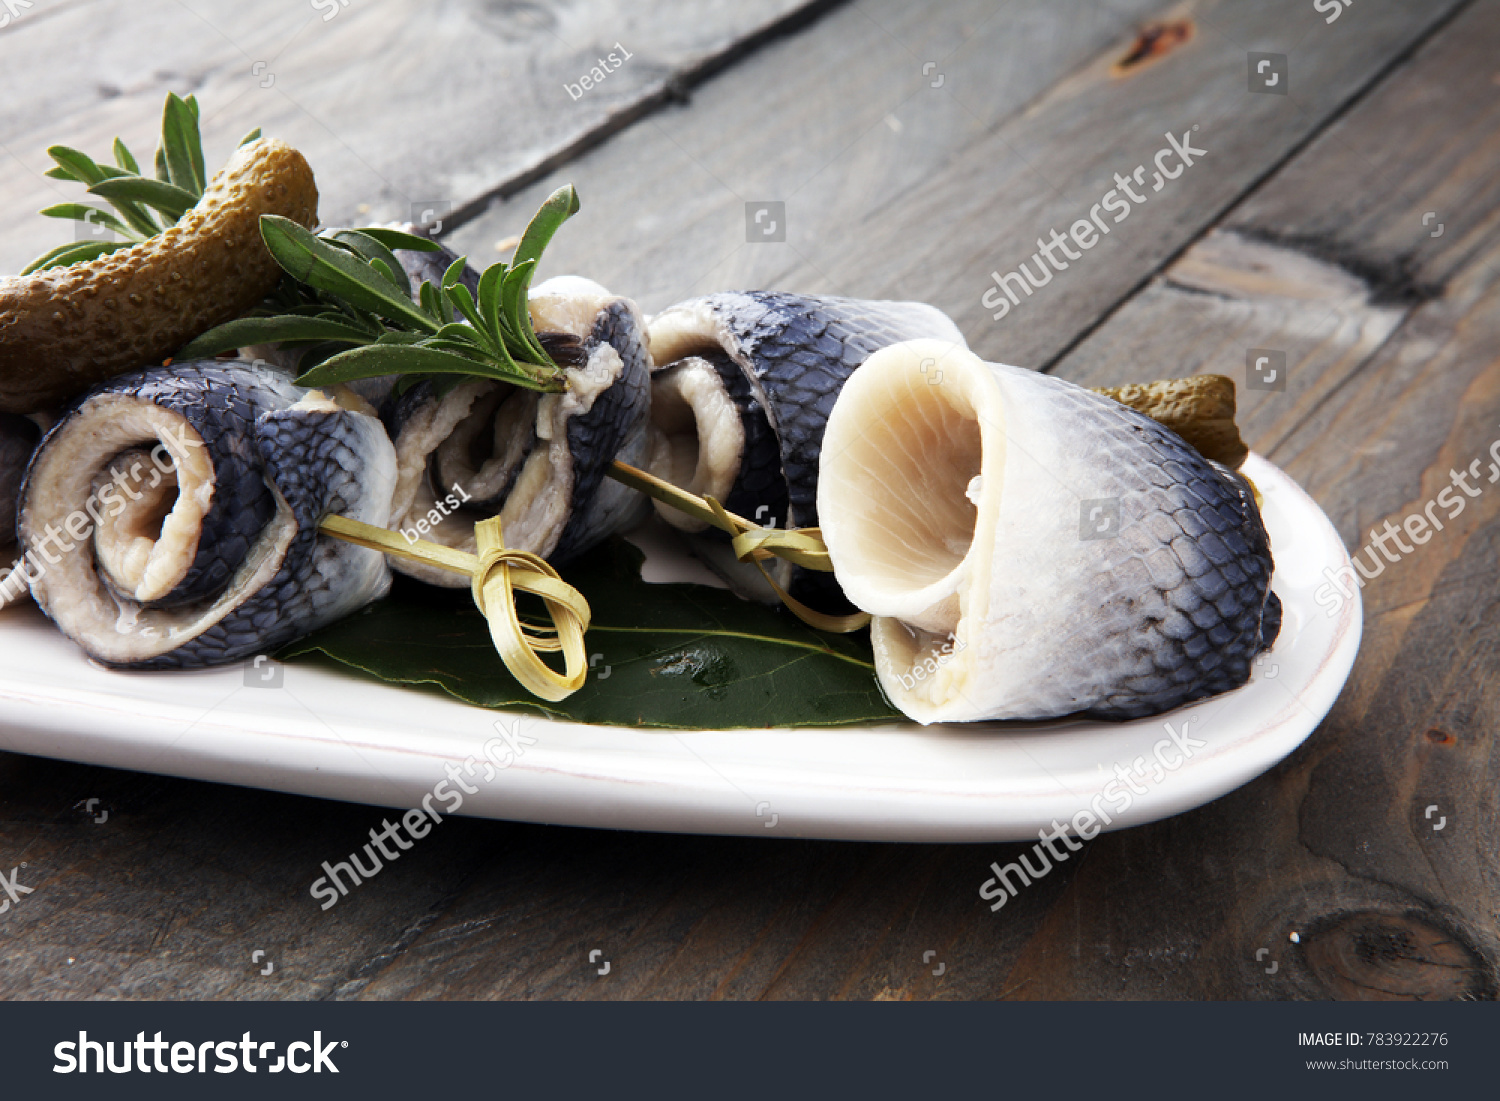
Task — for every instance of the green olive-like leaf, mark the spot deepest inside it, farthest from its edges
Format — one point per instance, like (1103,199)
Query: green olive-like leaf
(93,215)
(310,260)
(375,360)
(561,205)
(79,166)
(182,146)
(395,238)
(170,199)
(676,656)
(73,165)
(513,303)
(125,159)
(378,253)
(490,284)
(74,252)
(463,301)
(245,331)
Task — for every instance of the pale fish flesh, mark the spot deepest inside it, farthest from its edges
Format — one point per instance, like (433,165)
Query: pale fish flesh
(170,518)
(479,448)
(746,383)
(1030,549)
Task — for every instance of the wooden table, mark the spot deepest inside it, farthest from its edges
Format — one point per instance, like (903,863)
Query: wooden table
(1347,216)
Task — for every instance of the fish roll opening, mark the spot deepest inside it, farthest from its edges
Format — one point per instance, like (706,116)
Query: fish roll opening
(698,439)
(485,450)
(900,478)
(144,546)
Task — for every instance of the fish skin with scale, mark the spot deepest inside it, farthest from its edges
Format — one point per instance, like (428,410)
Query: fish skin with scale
(957,515)
(315,459)
(598,435)
(798,350)
(218,403)
(1188,607)
(795,352)
(261,574)
(759,491)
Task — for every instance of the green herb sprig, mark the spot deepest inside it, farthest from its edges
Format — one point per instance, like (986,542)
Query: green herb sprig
(349,303)
(144,205)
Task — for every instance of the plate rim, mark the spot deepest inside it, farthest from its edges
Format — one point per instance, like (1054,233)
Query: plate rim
(617,777)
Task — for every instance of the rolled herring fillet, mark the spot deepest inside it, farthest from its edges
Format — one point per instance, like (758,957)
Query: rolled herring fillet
(1030,549)
(170,519)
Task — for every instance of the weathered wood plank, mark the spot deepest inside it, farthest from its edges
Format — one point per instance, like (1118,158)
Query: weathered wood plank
(170,895)
(841,125)
(394,102)
(1337,844)
(199,875)
(864,958)
(913,191)
(683,917)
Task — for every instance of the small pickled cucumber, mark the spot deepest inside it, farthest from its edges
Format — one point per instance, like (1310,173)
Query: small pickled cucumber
(63,330)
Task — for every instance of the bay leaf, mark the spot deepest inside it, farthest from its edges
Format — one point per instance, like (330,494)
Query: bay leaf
(678,656)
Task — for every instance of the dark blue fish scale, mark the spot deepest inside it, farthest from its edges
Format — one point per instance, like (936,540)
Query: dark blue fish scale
(18,439)
(315,461)
(1189,617)
(397,409)
(798,350)
(596,437)
(759,491)
(429,267)
(221,402)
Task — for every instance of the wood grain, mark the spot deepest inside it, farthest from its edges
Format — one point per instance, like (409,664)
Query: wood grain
(896,189)
(394,102)
(1387,394)
(894,186)
(840,124)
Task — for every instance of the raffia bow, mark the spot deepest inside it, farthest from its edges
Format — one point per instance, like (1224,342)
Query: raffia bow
(752,543)
(1201,409)
(497,574)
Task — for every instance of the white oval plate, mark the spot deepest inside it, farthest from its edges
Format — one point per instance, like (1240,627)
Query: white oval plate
(308,730)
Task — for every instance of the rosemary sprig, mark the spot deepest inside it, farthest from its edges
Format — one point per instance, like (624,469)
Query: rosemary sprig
(349,303)
(144,205)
